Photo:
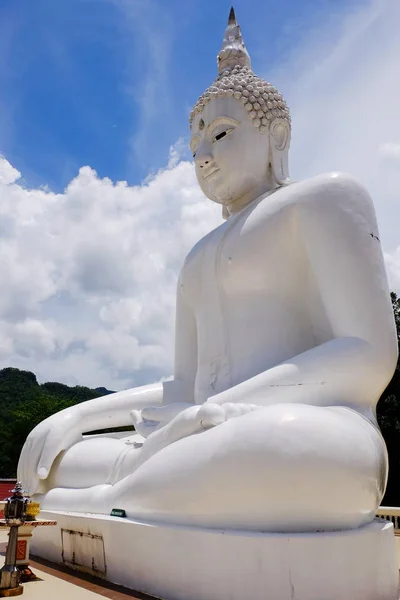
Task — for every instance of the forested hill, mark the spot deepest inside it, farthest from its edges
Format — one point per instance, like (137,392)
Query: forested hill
(24,403)
(388,411)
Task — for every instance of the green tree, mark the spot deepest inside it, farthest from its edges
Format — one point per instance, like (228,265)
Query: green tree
(388,412)
(24,403)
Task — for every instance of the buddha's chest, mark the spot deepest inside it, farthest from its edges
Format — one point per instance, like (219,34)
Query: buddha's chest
(251,254)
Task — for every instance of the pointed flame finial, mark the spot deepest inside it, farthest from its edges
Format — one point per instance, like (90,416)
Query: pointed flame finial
(233,51)
(232,17)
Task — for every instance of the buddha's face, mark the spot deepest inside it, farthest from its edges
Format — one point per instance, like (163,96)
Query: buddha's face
(230,154)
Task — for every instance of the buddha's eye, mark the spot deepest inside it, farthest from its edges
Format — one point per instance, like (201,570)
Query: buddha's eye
(221,135)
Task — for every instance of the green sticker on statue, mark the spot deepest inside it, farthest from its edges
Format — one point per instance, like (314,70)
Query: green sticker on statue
(118,512)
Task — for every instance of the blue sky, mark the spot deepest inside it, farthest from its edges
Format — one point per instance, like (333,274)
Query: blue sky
(109,83)
(93,92)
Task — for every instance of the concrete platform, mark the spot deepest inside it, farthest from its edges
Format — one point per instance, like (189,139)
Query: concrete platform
(64,584)
(186,563)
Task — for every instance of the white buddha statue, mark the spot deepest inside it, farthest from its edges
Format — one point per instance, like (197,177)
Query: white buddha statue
(285,340)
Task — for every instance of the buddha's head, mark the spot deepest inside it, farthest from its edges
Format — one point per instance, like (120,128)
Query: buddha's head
(240,130)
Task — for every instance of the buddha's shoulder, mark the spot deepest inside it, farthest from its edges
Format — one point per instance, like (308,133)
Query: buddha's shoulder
(326,199)
(334,190)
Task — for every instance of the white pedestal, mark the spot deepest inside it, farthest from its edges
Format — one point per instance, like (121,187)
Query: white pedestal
(182,563)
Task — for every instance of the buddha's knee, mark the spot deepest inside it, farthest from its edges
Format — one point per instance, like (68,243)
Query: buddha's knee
(300,467)
(285,467)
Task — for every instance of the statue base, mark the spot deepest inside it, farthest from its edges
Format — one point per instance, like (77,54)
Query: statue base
(183,563)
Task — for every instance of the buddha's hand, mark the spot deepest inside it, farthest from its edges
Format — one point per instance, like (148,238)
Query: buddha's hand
(196,419)
(53,435)
(148,420)
(191,420)
(229,410)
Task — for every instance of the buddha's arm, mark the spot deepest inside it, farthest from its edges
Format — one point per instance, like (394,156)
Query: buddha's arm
(60,431)
(356,347)
(185,347)
(113,410)
(181,394)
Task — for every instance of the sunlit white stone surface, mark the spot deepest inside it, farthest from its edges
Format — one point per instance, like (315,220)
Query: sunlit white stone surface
(285,340)
(307,348)
(183,563)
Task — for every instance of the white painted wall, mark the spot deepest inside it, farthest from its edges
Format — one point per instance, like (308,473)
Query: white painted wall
(182,563)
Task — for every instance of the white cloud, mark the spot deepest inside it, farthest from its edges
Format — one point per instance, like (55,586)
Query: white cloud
(89,276)
(390,151)
(345,99)
(148,29)
(7,172)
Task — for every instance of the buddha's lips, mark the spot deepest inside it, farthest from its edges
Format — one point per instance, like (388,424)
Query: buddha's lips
(210,173)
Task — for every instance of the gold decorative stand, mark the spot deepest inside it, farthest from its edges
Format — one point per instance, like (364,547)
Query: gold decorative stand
(25,533)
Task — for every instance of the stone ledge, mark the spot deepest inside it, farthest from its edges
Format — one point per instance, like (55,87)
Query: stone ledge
(183,563)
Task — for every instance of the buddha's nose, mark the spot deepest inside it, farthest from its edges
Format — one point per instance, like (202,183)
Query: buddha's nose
(203,158)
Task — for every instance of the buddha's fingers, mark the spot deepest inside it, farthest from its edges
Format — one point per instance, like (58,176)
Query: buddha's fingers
(164,414)
(210,415)
(184,424)
(22,472)
(142,428)
(56,441)
(29,460)
(233,409)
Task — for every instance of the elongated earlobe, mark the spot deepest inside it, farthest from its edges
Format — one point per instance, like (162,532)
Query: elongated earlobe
(279,143)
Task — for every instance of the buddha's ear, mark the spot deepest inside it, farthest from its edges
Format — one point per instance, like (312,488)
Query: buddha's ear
(279,134)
